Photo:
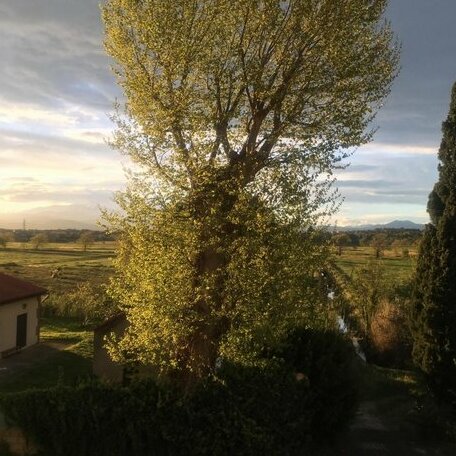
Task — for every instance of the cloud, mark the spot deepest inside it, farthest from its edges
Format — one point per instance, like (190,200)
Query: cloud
(56,89)
(52,54)
(420,96)
(399,149)
(11,114)
(376,178)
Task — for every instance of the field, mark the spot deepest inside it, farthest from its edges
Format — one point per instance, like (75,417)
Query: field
(74,265)
(72,353)
(397,268)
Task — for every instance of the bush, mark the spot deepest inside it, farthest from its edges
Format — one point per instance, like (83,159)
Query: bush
(86,302)
(290,399)
(328,361)
(87,420)
(388,336)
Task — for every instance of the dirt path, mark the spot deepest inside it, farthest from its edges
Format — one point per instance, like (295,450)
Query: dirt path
(372,435)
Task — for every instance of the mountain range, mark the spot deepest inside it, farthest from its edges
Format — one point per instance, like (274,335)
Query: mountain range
(394,225)
(85,218)
(63,217)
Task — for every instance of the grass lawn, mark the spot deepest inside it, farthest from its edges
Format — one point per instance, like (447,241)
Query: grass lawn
(397,268)
(66,366)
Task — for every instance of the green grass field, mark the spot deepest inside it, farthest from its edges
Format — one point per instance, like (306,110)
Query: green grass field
(76,266)
(397,268)
(74,361)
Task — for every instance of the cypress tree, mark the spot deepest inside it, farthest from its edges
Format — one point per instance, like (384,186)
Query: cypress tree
(434,350)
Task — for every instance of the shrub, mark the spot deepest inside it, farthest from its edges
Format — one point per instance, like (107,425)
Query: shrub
(302,393)
(86,302)
(388,336)
(87,420)
(328,361)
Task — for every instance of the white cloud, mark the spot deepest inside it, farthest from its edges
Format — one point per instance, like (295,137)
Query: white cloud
(398,149)
(12,114)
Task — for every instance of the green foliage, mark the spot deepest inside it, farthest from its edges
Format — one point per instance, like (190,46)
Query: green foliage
(235,114)
(86,239)
(39,240)
(86,302)
(86,420)
(435,287)
(376,307)
(328,363)
(5,449)
(368,286)
(264,408)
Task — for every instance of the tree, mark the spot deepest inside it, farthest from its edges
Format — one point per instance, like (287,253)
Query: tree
(86,239)
(38,240)
(434,298)
(368,286)
(234,110)
(379,243)
(341,240)
(5,237)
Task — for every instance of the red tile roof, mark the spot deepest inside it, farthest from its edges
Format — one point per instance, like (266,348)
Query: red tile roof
(13,289)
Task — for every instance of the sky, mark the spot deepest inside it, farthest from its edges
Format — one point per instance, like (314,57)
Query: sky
(57,91)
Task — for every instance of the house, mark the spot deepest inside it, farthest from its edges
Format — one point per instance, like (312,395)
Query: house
(19,314)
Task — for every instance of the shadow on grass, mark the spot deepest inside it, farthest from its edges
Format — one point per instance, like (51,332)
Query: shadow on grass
(62,367)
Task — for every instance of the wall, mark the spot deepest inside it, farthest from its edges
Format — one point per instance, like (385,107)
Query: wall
(103,366)
(8,322)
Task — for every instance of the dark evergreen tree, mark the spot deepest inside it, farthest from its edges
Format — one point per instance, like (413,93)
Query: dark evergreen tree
(434,350)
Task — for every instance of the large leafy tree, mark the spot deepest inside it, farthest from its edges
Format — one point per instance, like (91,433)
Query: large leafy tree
(435,287)
(233,111)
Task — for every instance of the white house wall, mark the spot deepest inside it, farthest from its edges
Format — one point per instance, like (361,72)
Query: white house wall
(8,322)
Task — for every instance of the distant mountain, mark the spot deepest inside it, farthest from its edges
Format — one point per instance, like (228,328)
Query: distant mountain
(53,218)
(394,225)
(404,224)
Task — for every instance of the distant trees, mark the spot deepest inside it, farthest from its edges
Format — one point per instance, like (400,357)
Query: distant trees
(5,237)
(86,239)
(39,240)
(400,245)
(341,240)
(379,243)
(434,299)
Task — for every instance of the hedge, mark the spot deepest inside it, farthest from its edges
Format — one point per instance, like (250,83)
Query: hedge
(294,397)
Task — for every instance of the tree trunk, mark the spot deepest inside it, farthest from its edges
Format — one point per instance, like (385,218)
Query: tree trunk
(210,207)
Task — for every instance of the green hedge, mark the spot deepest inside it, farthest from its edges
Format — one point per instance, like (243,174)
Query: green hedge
(244,411)
(333,371)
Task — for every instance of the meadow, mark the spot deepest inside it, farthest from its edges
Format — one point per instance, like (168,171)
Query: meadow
(74,265)
(397,268)
(58,267)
